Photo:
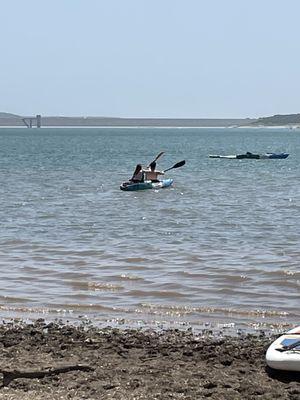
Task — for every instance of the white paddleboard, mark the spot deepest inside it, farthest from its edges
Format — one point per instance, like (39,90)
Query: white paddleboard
(284,352)
(219,156)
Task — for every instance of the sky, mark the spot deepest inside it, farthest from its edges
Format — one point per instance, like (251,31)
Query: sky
(150,58)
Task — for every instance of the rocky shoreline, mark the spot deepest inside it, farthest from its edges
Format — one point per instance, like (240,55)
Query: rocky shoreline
(57,361)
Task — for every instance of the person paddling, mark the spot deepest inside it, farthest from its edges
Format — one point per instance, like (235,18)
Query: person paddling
(152,174)
(138,175)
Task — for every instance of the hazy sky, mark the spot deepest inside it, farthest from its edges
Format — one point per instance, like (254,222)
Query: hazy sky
(150,58)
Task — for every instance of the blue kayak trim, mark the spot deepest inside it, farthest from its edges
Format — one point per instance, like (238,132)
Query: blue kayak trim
(129,187)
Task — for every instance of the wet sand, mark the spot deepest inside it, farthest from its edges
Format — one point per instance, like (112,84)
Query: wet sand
(91,363)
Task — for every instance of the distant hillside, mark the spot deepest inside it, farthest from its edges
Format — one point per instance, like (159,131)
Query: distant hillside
(8,115)
(279,120)
(11,120)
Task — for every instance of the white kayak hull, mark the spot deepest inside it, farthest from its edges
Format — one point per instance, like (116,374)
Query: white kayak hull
(219,156)
(286,360)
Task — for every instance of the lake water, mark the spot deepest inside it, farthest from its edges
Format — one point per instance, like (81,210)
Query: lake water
(221,248)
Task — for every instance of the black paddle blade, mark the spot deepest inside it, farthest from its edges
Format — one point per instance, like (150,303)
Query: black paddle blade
(159,155)
(156,158)
(177,165)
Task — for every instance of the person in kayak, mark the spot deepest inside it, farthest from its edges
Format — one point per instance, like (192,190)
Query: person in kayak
(138,175)
(152,174)
(247,155)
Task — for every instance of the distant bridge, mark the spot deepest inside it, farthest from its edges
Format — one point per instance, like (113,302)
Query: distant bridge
(33,121)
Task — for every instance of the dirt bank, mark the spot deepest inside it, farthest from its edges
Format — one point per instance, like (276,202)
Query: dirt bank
(92,363)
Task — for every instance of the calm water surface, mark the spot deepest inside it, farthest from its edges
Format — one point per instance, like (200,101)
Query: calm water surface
(219,249)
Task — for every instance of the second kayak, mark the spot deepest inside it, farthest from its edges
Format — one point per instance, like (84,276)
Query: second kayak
(129,186)
(252,156)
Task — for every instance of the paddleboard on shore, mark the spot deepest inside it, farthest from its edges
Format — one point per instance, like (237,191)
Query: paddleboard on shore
(284,352)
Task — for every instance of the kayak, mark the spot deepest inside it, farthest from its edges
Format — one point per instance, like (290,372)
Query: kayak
(275,155)
(284,352)
(129,186)
(252,156)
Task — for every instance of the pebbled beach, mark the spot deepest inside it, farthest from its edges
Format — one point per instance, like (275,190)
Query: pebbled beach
(56,361)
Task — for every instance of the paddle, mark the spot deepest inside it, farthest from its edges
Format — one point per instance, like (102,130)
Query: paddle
(157,157)
(177,165)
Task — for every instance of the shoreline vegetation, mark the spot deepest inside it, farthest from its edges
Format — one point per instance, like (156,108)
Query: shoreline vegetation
(59,361)
(291,121)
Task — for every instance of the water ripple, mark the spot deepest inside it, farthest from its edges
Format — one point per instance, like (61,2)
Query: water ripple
(222,245)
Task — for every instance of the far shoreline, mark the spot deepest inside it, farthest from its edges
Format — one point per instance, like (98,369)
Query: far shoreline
(287,127)
(9,120)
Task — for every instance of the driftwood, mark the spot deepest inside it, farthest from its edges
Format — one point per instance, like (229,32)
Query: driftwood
(9,375)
